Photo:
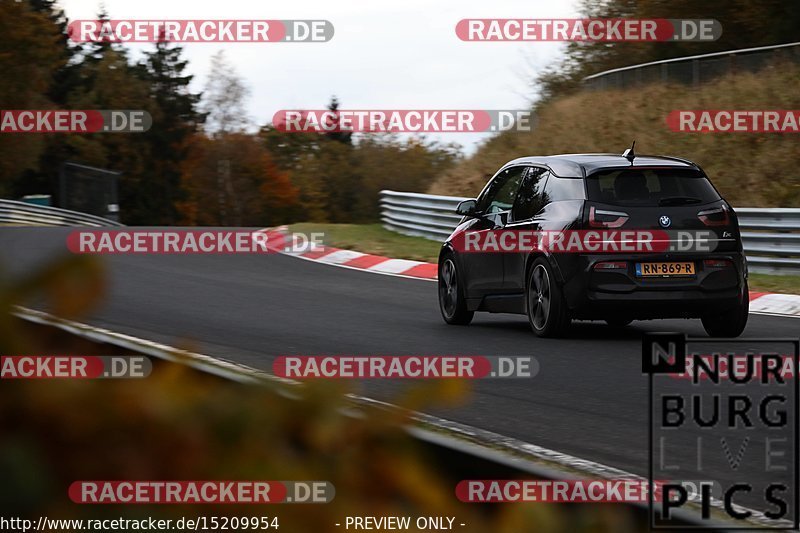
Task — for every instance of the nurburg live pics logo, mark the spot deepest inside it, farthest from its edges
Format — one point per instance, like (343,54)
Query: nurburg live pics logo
(733,422)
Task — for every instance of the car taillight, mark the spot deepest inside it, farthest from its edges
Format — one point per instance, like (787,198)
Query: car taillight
(611,265)
(606,219)
(717,263)
(715,217)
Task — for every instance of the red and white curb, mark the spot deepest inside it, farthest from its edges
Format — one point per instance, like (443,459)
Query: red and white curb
(765,303)
(352,259)
(761,303)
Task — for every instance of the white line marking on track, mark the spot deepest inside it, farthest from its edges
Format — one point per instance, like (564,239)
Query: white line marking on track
(395,266)
(340,256)
(777,304)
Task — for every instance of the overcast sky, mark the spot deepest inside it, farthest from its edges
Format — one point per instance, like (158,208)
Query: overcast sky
(386,54)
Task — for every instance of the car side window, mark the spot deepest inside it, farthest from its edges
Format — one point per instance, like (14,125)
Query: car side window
(531,198)
(502,191)
(558,189)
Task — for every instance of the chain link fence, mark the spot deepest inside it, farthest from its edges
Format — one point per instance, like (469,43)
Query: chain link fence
(694,70)
(89,190)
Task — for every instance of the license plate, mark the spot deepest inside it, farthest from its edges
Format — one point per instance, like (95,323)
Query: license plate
(665,269)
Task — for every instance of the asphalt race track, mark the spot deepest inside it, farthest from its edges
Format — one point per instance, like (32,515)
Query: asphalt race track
(588,400)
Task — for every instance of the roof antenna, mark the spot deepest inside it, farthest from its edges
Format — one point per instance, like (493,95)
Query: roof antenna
(629,153)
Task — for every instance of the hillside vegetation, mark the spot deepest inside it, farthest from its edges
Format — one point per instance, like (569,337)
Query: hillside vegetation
(750,169)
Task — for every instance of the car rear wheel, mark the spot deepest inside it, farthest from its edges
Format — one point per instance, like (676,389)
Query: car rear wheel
(547,309)
(452,302)
(730,323)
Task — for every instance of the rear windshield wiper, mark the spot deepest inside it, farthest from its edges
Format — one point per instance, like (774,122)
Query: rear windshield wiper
(680,200)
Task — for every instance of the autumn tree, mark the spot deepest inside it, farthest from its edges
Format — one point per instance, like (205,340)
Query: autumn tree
(339,178)
(229,175)
(64,80)
(176,119)
(30,55)
(266,194)
(109,81)
(225,97)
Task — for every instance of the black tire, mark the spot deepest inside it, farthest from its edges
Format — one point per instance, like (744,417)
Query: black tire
(618,322)
(546,307)
(452,302)
(729,323)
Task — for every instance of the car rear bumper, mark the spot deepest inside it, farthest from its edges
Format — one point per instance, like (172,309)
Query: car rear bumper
(648,304)
(597,294)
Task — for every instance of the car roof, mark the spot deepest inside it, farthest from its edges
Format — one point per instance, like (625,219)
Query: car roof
(581,165)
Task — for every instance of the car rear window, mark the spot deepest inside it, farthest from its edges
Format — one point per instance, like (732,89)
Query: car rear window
(650,187)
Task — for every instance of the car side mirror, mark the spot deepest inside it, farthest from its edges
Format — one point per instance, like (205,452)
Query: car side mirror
(467,208)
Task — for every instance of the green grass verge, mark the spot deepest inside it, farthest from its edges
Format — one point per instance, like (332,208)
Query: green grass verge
(770,283)
(374,239)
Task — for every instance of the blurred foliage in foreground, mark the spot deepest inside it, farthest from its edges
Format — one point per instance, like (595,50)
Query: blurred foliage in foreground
(68,287)
(749,169)
(180,424)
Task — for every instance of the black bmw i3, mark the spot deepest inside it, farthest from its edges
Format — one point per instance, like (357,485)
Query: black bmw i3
(652,239)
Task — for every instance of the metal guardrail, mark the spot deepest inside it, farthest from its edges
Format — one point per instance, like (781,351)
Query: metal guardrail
(771,239)
(423,215)
(25,214)
(770,236)
(693,69)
